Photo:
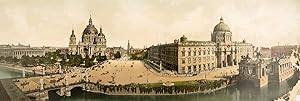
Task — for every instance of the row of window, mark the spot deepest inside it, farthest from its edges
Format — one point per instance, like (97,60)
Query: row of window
(200,67)
(200,59)
(284,67)
(200,52)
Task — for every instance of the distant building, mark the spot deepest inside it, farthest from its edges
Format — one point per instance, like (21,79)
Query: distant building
(266,52)
(64,50)
(185,56)
(20,50)
(254,70)
(263,71)
(110,51)
(281,69)
(286,50)
(92,42)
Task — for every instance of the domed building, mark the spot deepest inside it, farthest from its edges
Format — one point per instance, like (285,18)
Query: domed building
(93,42)
(187,56)
(221,33)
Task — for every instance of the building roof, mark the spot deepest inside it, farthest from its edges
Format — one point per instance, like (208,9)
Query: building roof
(90,29)
(222,26)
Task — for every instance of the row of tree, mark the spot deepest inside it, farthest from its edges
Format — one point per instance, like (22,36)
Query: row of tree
(139,55)
(53,57)
(187,87)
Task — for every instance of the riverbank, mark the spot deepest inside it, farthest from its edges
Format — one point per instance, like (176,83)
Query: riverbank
(17,68)
(177,88)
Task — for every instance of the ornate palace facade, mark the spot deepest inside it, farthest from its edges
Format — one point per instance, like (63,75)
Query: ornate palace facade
(185,56)
(92,42)
(20,50)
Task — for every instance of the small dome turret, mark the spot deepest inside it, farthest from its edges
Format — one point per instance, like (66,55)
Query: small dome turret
(183,38)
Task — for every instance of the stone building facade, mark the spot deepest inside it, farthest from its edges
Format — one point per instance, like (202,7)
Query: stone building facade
(281,69)
(254,70)
(186,56)
(93,42)
(20,50)
(263,71)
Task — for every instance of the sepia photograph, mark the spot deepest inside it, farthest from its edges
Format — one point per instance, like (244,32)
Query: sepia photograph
(149,50)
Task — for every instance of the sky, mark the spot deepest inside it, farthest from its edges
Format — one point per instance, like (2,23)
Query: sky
(148,22)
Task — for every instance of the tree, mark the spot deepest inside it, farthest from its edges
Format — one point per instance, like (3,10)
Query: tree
(117,55)
(101,58)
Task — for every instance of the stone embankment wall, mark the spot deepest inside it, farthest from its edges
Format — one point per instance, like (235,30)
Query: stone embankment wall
(158,89)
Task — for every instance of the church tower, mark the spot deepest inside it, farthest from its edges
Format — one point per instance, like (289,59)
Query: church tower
(72,43)
(128,48)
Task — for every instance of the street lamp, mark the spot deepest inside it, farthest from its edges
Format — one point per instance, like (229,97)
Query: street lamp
(66,66)
(41,87)
(59,65)
(147,74)
(43,69)
(65,75)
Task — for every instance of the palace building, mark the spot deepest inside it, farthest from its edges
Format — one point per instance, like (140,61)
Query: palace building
(187,56)
(92,42)
(20,50)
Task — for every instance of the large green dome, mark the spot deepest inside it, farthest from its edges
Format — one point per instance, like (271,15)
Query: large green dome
(222,26)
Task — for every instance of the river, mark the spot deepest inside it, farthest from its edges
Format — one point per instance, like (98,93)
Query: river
(5,73)
(240,92)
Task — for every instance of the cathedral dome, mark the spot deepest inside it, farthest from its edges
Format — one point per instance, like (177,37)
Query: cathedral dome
(222,26)
(90,29)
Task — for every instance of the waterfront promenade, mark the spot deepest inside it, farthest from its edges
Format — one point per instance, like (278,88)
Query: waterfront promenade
(18,68)
(114,73)
(111,72)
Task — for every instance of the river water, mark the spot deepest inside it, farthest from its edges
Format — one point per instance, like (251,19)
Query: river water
(241,92)
(5,73)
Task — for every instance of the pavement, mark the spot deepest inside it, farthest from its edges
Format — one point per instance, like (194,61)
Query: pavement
(10,92)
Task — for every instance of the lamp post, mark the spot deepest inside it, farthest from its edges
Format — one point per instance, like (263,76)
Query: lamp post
(66,84)
(41,87)
(66,66)
(147,74)
(43,69)
(23,71)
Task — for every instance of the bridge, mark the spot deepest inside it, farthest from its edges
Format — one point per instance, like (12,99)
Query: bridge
(42,94)
(37,87)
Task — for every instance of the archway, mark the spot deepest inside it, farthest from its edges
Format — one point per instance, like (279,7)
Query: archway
(229,60)
(86,51)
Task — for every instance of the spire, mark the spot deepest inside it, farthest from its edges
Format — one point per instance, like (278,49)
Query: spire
(90,20)
(221,19)
(100,29)
(72,35)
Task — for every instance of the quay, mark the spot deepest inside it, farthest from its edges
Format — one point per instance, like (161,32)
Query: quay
(10,92)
